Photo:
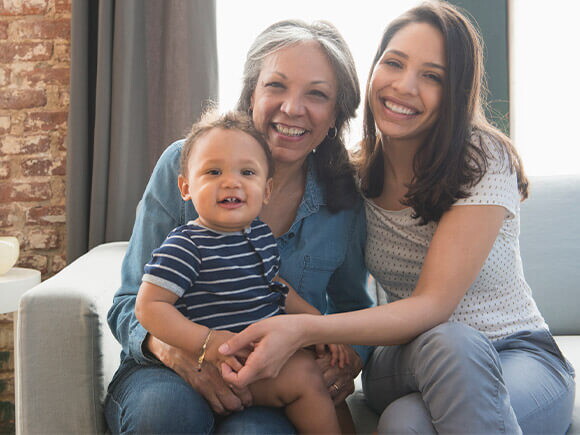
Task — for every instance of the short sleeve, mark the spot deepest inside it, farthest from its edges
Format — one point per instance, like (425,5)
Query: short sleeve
(175,264)
(499,184)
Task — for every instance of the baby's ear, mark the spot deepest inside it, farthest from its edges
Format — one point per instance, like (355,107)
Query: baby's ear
(268,190)
(183,187)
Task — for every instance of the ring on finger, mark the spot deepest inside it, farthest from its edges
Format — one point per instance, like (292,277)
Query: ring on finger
(335,387)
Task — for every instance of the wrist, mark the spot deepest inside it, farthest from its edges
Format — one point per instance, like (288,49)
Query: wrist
(154,350)
(306,329)
(203,350)
(147,347)
(356,365)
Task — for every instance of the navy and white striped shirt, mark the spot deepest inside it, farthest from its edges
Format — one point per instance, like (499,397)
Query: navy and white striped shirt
(222,279)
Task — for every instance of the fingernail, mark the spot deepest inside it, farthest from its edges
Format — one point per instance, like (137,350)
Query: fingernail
(224,348)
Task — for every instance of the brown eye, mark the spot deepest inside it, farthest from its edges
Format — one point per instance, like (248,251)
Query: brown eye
(319,94)
(434,77)
(274,85)
(393,64)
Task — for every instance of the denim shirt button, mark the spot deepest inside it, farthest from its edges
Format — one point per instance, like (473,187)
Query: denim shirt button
(291,235)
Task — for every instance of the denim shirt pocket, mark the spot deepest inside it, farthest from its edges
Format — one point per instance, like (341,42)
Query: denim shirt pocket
(316,275)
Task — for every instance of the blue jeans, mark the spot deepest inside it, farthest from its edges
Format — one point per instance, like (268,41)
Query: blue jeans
(452,379)
(154,399)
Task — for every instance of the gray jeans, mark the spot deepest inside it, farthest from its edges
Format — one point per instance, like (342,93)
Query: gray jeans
(452,379)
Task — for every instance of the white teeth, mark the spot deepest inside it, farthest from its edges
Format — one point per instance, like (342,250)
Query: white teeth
(230,200)
(399,109)
(289,131)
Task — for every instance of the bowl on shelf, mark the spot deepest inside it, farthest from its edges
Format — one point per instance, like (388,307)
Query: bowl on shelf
(9,250)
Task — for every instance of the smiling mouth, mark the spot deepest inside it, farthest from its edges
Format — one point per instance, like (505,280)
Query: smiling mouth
(289,131)
(401,110)
(230,200)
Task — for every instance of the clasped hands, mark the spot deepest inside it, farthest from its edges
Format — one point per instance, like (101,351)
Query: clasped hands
(339,364)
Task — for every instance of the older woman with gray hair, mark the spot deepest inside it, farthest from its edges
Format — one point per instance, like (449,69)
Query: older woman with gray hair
(301,89)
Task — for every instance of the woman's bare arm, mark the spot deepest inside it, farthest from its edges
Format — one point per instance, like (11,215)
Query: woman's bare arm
(458,250)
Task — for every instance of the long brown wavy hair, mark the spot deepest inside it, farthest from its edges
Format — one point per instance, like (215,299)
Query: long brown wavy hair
(447,164)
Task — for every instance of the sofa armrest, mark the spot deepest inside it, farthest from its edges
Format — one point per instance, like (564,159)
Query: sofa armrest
(65,352)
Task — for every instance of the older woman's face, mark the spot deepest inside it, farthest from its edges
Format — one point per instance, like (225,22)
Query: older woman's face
(294,101)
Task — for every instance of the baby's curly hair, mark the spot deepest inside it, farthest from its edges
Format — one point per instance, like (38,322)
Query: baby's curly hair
(233,120)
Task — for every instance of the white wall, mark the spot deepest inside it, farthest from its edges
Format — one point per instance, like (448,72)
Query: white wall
(361,23)
(545,84)
(545,69)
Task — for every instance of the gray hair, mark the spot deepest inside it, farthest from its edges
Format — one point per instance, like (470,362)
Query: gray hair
(333,167)
(290,32)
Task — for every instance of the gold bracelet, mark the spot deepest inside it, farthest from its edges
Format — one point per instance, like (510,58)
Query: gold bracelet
(203,348)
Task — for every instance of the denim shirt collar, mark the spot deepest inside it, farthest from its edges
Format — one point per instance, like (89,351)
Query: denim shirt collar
(313,193)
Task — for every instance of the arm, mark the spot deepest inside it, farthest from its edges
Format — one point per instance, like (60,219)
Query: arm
(339,353)
(347,288)
(347,291)
(155,310)
(295,304)
(460,246)
(161,210)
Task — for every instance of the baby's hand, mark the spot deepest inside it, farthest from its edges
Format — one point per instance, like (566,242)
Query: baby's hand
(217,358)
(338,354)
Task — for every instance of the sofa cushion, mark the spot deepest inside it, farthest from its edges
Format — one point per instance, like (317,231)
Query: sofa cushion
(550,247)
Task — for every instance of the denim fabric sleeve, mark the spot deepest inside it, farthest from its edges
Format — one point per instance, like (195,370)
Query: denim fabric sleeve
(347,288)
(160,210)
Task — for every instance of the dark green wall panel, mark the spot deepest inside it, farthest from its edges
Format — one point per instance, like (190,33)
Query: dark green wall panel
(492,18)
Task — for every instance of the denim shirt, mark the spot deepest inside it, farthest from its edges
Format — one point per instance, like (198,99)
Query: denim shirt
(322,254)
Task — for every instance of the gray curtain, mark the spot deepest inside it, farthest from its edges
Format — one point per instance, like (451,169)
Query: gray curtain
(141,71)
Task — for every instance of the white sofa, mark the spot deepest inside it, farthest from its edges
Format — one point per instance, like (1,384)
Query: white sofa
(66,354)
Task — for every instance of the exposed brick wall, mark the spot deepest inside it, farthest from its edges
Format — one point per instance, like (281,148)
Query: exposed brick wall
(34,98)
(34,95)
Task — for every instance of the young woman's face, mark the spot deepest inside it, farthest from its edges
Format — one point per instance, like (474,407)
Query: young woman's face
(406,85)
(294,101)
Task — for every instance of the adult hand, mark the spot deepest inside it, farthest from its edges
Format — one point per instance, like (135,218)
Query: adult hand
(274,339)
(208,382)
(340,381)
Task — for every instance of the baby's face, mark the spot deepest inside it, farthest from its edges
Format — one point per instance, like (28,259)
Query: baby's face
(227,179)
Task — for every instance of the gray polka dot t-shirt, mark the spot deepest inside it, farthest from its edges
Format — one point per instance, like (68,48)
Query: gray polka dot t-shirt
(499,302)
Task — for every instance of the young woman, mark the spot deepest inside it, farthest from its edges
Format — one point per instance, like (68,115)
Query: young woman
(301,89)
(462,345)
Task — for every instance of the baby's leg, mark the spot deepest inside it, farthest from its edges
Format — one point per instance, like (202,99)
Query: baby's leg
(301,390)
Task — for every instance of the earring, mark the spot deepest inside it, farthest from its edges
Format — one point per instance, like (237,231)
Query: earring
(250,111)
(332,132)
